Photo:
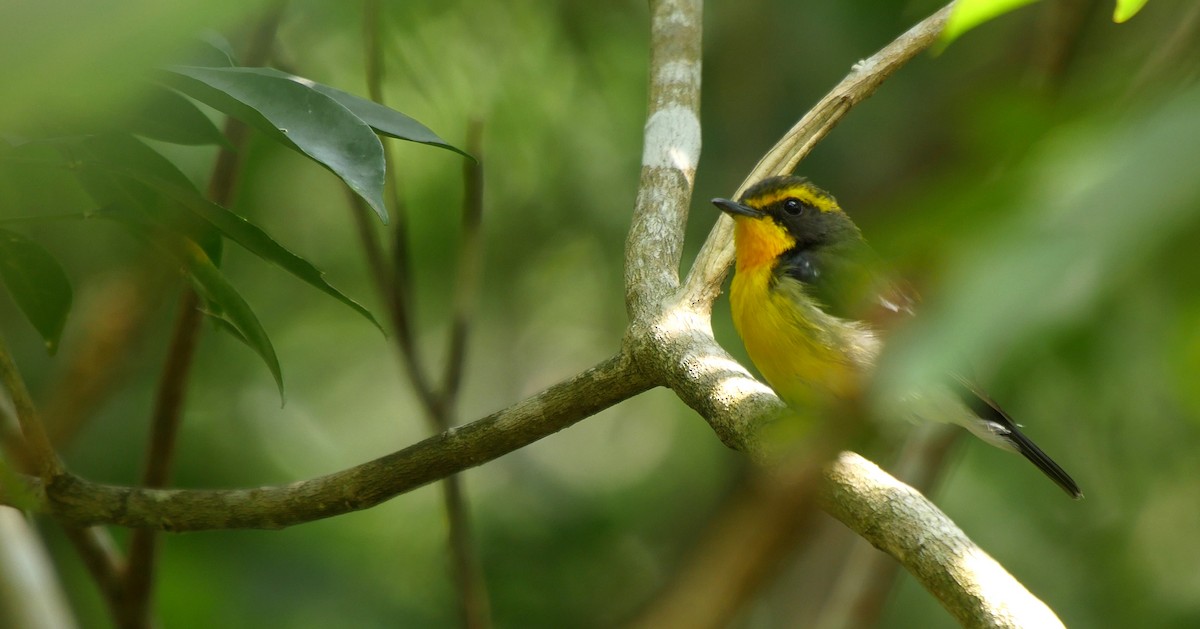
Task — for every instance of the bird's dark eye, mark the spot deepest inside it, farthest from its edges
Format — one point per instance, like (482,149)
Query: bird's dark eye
(793,206)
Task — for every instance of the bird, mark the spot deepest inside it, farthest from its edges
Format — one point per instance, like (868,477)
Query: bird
(812,303)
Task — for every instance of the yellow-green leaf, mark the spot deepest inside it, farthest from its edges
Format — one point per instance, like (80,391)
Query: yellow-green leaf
(1127,9)
(968,14)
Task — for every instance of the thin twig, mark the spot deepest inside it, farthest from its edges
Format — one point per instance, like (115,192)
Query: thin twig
(470,269)
(160,450)
(41,454)
(103,561)
(137,595)
(468,570)
(396,287)
(393,278)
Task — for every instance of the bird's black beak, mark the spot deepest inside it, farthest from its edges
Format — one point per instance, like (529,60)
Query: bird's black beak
(733,207)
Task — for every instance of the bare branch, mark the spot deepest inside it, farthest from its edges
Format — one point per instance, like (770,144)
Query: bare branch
(669,157)
(866,576)
(898,520)
(76,501)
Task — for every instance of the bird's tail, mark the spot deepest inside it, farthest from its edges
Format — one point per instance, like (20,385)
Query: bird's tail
(1043,462)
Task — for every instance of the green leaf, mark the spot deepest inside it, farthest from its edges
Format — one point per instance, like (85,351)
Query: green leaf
(234,310)
(217,51)
(297,116)
(383,119)
(101,178)
(226,304)
(188,213)
(967,14)
(168,116)
(1126,9)
(37,283)
(256,241)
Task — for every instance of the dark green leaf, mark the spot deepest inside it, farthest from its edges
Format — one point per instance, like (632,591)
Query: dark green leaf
(37,283)
(218,51)
(140,166)
(168,116)
(102,177)
(234,310)
(225,303)
(383,119)
(299,117)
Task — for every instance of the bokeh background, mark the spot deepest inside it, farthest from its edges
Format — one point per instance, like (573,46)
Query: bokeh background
(1039,179)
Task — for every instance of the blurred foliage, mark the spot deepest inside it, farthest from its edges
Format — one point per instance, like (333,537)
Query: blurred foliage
(1034,179)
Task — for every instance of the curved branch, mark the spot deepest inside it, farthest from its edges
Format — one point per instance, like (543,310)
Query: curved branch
(80,502)
(898,520)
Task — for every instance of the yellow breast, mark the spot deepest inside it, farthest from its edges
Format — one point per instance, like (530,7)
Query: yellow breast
(806,355)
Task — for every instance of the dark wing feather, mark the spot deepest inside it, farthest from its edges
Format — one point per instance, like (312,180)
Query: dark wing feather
(1005,428)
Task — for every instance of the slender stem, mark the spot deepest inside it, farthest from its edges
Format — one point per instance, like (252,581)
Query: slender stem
(160,450)
(135,607)
(37,443)
(103,561)
(468,570)
(440,405)
(470,270)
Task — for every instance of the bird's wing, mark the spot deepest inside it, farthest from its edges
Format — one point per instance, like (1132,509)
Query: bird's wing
(851,282)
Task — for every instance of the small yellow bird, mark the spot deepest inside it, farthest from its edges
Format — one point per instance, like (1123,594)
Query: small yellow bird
(810,299)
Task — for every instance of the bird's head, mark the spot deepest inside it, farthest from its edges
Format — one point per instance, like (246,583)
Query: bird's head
(781,214)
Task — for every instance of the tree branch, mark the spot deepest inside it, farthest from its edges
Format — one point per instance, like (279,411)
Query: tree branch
(866,576)
(898,520)
(670,153)
(80,502)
